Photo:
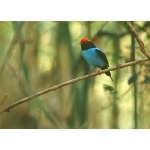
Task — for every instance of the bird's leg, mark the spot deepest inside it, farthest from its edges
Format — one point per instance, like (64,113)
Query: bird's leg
(99,71)
(91,71)
(118,66)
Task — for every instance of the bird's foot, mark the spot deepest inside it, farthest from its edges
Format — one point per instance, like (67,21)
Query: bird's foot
(91,72)
(118,66)
(99,72)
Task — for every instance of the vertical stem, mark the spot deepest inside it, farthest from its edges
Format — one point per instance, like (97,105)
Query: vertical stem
(135,86)
(115,109)
(117,75)
(12,46)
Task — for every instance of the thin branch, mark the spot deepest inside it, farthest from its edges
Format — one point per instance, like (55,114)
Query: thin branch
(8,108)
(141,43)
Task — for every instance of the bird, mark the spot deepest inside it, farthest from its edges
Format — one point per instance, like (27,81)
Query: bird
(94,56)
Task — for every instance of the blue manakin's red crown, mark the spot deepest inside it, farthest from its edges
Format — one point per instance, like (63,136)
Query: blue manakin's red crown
(83,40)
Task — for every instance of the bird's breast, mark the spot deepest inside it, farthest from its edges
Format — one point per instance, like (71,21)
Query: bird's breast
(93,58)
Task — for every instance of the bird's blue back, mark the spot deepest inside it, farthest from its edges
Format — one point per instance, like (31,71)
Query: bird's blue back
(92,58)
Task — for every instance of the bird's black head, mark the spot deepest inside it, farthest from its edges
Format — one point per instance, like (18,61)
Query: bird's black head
(86,44)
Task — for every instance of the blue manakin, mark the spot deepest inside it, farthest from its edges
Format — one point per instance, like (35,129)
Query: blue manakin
(94,56)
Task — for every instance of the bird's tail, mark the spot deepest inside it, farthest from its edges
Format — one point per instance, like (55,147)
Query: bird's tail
(107,73)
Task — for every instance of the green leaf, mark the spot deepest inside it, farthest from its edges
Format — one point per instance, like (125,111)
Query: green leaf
(132,79)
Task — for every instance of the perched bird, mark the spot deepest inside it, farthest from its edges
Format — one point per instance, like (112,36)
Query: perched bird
(94,56)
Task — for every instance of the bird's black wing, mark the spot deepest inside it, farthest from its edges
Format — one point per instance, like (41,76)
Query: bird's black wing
(102,55)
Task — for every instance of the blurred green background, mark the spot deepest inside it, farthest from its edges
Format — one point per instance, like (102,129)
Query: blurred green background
(38,55)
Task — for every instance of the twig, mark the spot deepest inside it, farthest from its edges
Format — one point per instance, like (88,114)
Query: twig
(141,43)
(3,100)
(8,108)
